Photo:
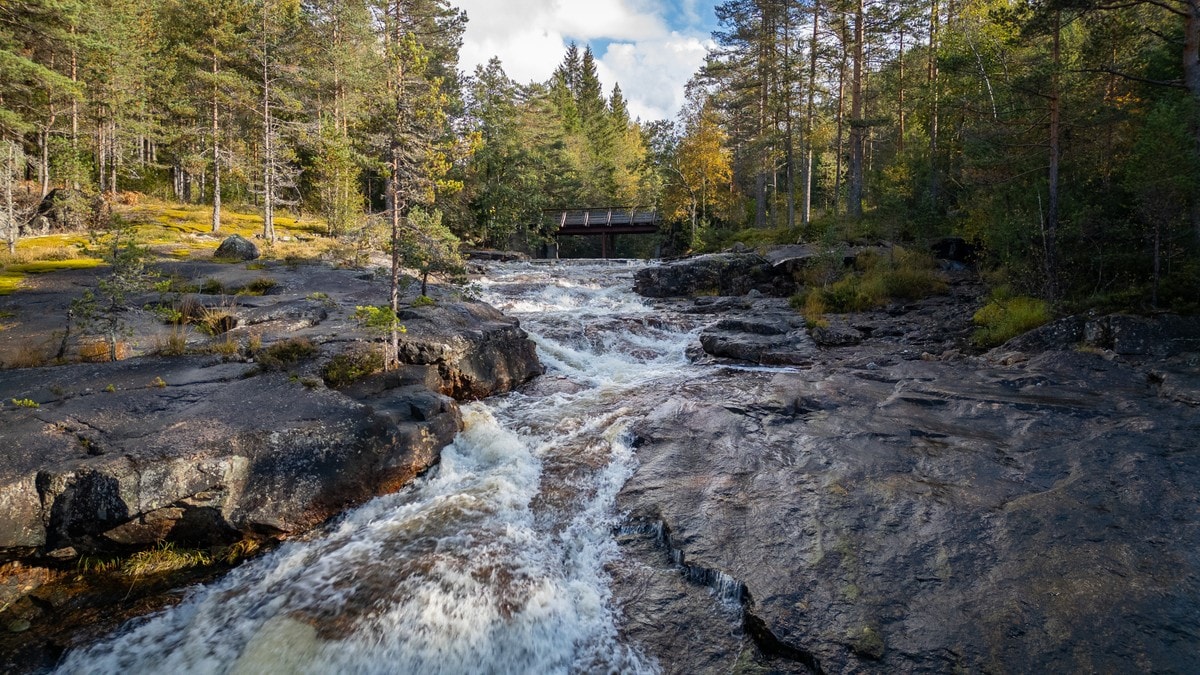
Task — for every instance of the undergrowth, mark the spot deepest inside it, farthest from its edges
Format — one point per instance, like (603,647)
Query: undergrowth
(1006,316)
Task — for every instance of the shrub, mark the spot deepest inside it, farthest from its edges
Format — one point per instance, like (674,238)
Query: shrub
(423,301)
(260,286)
(211,287)
(1005,318)
(25,403)
(345,369)
(289,352)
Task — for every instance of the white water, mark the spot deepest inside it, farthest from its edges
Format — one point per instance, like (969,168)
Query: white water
(492,563)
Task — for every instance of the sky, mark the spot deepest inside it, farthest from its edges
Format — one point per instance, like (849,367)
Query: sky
(650,47)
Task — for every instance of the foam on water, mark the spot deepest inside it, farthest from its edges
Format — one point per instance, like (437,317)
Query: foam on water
(493,562)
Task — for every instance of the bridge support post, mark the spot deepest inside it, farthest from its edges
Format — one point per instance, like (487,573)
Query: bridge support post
(608,245)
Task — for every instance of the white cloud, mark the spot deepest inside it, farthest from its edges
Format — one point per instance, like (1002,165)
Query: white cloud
(651,62)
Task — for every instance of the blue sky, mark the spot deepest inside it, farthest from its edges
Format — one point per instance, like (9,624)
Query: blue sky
(651,47)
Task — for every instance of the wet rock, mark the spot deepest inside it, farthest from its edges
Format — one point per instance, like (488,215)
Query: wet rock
(477,350)
(776,338)
(724,274)
(236,247)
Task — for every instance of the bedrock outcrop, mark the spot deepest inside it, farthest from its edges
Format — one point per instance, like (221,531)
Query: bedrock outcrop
(204,449)
(940,517)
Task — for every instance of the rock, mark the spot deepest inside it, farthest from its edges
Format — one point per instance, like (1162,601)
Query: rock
(725,274)
(495,256)
(236,247)
(1158,336)
(476,350)
(836,335)
(930,516)
(775,338)
(1124,334)
(955,249)
(1065,333)
(191,462)
(61,209)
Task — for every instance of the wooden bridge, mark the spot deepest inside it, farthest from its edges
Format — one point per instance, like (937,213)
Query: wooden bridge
(605,222)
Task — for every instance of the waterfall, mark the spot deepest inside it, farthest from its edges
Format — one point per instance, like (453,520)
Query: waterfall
(494,562)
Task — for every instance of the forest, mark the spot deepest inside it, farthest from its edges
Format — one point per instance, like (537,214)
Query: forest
(1060,137)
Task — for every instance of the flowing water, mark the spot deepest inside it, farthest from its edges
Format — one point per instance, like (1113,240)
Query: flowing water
(496,560)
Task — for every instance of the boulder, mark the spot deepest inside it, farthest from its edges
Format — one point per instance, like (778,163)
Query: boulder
(60,209)
(836,335)
(1156,336)
(476,350)
(723,274)
(140,451)
(236,247)
(768,338)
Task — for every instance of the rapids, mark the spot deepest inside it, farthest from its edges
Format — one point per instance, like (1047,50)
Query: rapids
(495,561)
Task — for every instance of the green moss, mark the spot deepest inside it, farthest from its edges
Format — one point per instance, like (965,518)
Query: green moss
(10,282)
(45,266)
(868,643)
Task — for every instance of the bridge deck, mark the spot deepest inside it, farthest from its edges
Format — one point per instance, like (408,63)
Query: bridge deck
(600,221)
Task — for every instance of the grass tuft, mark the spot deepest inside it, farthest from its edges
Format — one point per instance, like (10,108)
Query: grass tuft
(1004,318)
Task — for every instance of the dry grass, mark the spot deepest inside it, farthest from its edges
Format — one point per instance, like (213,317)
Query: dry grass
(96,351)
(29,356)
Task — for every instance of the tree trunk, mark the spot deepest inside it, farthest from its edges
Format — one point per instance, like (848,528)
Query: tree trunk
(10,170)
(841,120)
(854,184)
(900,95)
(101,154)
(1052,290)
(44,160)
(74,115)
(810,116)
(113,156)
(216,148)
(1191,80)
(934,187)
(268,141)
(789,140)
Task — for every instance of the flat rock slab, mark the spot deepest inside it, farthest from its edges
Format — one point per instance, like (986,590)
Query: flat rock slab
(941,517)
(130,453)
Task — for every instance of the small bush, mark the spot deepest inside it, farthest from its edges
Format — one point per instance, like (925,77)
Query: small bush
(1005,318)
(281,355)
(212,287)
(345,369)
(226,347)
(423,301)
(260,286)
(25,403)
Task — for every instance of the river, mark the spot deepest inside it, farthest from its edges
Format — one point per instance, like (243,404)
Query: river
(499,559)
